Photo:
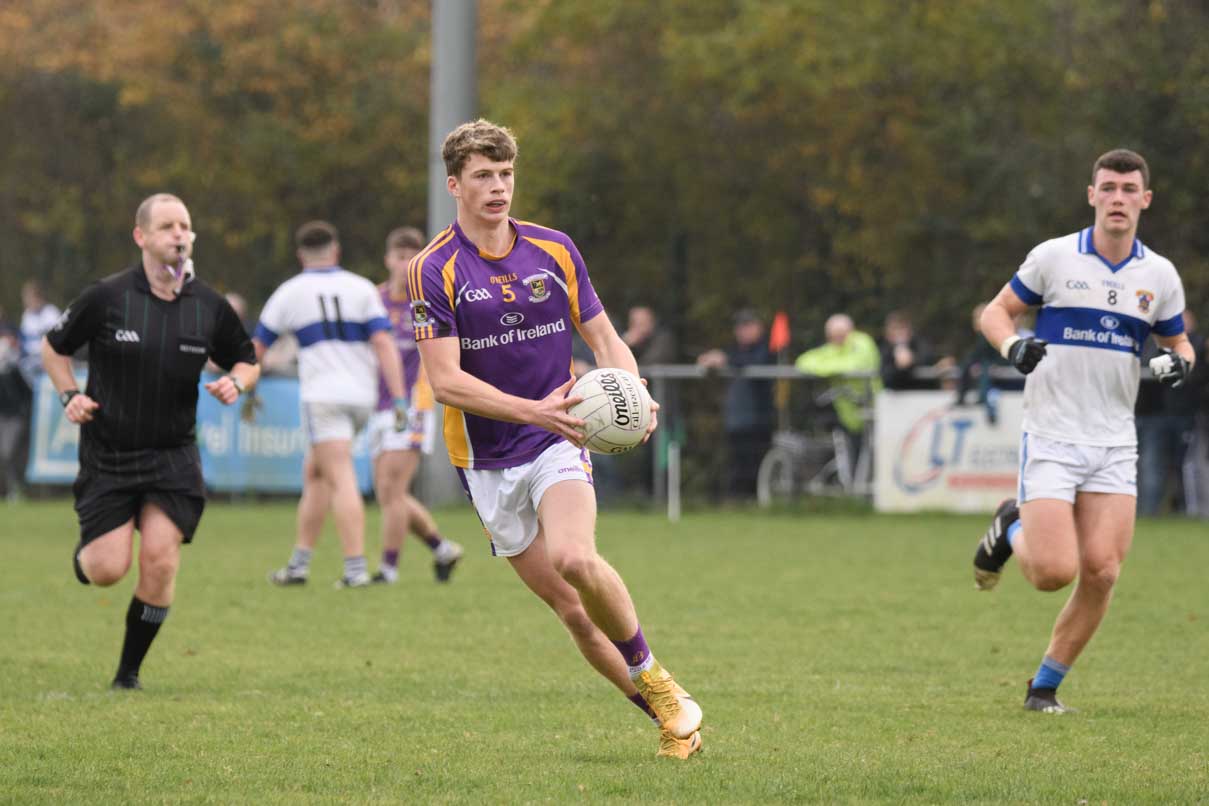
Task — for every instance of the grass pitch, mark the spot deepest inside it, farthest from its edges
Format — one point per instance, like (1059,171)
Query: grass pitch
(839,658)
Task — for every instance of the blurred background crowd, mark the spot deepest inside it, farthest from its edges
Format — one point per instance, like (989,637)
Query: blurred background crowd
(833,187)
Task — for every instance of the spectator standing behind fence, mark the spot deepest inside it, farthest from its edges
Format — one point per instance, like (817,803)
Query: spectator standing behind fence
(977,370)
(37,319)
(847,351)
(1165,419)
(650,343)
(903,352)
(747,414)
(14,410)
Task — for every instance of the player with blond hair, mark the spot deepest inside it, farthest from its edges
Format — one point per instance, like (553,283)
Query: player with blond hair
(493,303)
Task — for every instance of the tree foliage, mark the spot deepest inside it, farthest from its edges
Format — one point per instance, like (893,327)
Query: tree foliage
(785,154)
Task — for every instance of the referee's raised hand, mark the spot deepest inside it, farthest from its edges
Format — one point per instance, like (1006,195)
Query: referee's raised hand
(80,407)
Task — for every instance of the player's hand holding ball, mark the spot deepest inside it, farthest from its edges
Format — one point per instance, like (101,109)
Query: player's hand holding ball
(1024,353)
(1170,367)
(617,411)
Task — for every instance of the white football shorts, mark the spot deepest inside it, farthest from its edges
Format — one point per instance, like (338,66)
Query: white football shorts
(1052,469)
(324,422)
(420,434)
(507,500)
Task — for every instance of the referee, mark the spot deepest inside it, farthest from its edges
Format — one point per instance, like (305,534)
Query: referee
(149,331)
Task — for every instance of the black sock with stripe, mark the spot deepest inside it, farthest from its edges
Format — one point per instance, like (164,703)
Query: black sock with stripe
(142,623)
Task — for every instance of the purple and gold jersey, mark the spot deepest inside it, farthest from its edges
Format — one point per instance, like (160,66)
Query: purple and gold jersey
(513,316)
(398,309)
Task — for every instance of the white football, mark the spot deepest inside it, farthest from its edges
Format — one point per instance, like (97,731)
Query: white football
(615,407)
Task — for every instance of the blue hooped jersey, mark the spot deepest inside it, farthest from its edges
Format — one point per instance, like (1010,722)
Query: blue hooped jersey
(1096,317)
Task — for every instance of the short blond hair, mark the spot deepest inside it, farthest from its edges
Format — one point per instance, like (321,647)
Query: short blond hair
(494,142)
(142,216)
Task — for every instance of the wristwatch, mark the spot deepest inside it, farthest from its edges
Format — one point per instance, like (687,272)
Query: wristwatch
(65,397)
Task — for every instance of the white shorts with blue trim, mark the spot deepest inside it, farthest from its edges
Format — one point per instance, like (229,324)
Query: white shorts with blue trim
(507,500)
(1053,469)
(324,422)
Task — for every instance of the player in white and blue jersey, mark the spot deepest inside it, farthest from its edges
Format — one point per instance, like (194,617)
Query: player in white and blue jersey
(1101,293)
(344,337)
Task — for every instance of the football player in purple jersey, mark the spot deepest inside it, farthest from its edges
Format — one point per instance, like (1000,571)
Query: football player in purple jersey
(493,303)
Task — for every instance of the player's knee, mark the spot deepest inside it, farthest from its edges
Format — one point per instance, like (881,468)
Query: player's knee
(1101,575)
(576,567)
(1055,577)
(106,569)
(158,567)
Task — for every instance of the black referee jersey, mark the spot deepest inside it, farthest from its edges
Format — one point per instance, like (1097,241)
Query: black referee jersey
(145,358)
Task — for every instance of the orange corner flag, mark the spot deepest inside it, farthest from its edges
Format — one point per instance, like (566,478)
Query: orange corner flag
(778,336)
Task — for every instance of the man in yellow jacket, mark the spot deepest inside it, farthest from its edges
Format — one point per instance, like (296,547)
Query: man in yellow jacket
(847,351)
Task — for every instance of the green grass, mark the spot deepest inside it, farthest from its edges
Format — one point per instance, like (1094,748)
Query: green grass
(839,658)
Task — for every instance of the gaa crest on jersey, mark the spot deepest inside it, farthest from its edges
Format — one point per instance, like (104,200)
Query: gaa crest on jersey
(538,290)
(419,313)
(1144,300)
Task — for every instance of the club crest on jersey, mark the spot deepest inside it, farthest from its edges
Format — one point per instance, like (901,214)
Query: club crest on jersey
(538,290)
(419,313)
(1144,300)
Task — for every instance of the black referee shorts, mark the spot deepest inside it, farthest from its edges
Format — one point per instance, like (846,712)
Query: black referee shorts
(105,501)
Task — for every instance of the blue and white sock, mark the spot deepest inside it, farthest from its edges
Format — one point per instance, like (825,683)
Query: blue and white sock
(355,567)
(1050,674)
(1012,531)
(300,561)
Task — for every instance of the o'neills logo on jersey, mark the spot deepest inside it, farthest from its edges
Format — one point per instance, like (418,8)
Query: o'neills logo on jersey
(419,313)
(514,336)
(538,290)
(1144,300)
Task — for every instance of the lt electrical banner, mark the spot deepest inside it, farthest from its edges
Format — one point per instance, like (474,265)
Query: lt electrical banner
(933,455)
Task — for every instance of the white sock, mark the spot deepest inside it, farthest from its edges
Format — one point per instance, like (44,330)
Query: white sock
(642,667)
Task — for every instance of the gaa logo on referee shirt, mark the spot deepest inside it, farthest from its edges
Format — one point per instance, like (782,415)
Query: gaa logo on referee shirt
(127,336)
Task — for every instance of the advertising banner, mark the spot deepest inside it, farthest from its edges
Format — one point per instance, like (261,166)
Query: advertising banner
(262,455)
(933,455)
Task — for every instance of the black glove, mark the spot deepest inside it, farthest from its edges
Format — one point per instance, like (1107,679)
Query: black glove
(1170,367)
(1026,353)
(251,405)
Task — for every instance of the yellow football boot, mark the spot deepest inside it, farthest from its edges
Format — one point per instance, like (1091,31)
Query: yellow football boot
(678,713)
(671,747)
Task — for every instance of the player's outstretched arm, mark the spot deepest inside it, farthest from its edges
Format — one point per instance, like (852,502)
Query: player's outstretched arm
(453,386)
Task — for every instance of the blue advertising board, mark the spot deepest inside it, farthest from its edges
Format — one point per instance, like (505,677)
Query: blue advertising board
(264,454)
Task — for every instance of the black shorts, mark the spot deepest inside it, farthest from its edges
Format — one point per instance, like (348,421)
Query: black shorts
(105,501)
